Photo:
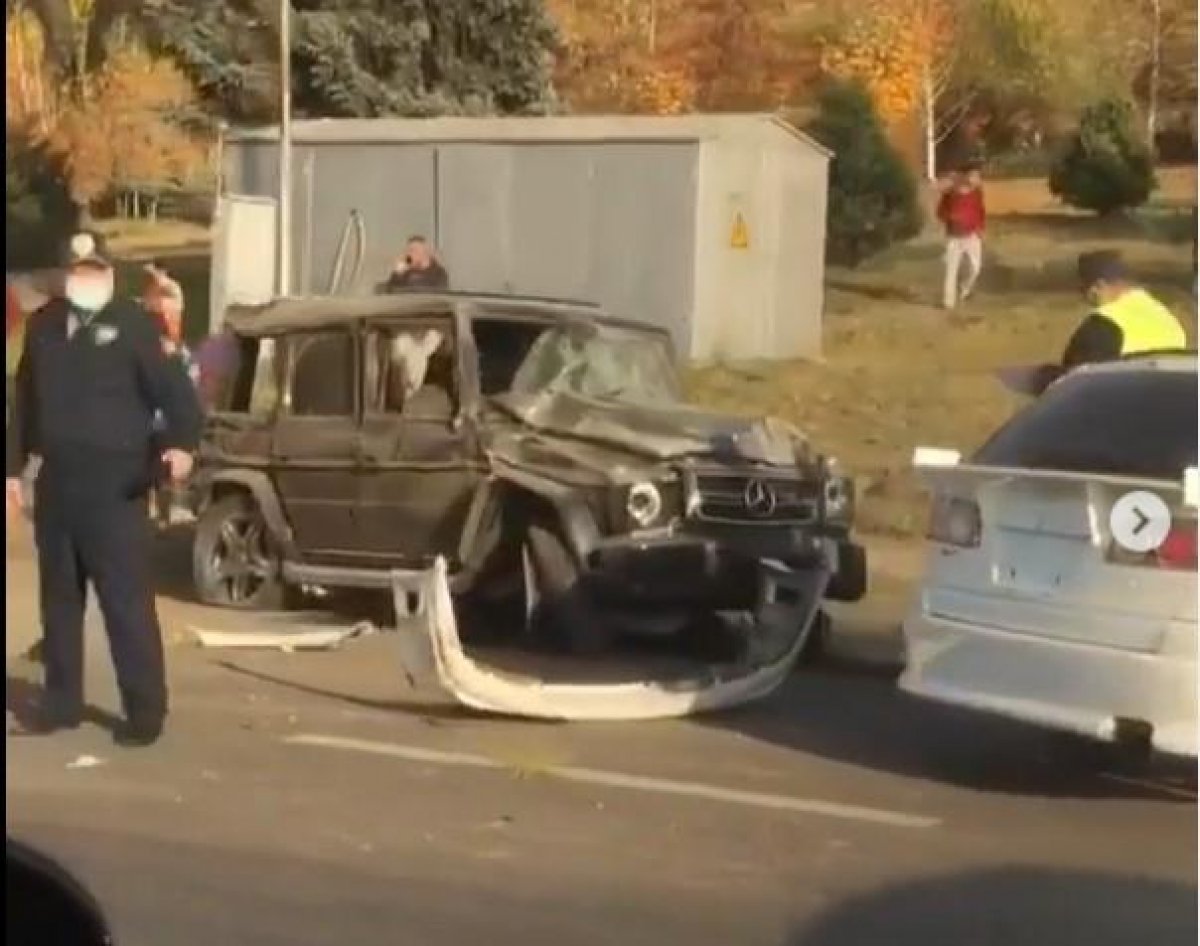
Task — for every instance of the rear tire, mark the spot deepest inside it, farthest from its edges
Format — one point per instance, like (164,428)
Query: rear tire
(234,560)
(565,616)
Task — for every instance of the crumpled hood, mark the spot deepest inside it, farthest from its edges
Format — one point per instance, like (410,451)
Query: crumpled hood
(665,432)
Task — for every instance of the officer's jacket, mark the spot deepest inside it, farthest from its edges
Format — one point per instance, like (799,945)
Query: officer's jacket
(1134,323)
(87,392)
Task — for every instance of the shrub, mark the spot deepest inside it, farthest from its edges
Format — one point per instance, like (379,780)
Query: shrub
(872,192)
(39,212)
(1106,166)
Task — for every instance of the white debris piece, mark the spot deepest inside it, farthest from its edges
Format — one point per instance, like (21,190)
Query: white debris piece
(84,762)
(432,655)
(312,638)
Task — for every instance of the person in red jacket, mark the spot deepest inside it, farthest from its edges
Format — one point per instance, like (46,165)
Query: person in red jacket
(961,210)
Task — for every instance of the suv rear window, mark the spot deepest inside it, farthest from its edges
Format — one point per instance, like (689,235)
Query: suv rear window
(1122,423)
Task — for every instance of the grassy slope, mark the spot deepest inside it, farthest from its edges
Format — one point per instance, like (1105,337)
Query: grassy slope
(899,372)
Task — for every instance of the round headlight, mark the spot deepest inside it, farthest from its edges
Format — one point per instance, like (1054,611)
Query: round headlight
(644,504)
(837,497)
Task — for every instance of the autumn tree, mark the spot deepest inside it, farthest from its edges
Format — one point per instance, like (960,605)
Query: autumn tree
(672,56)
(1161,37)
(935,58)
(124,130)
(612,56)
(30,94)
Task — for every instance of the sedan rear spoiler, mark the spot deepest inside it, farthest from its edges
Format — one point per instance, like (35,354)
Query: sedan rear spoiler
(939,468)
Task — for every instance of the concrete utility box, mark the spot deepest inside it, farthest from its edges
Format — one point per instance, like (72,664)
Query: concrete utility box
(711,226)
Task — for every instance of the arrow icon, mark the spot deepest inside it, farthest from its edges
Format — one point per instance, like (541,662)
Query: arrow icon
(1139,521)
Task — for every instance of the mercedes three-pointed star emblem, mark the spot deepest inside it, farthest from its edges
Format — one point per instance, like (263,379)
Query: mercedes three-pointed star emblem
(759,498)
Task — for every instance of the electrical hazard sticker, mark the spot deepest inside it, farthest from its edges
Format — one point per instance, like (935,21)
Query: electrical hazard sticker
(739,237)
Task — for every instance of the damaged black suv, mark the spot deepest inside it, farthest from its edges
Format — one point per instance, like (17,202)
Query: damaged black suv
(535,446)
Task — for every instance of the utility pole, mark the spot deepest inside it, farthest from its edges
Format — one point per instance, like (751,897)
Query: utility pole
(283,207)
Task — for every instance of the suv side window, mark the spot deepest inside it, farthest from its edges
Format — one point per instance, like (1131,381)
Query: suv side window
(322,375)
(247,375)
(503,345)
(1122,423)
(411,370)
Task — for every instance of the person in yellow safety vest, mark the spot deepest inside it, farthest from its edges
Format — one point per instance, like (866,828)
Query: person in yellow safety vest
(1125,319)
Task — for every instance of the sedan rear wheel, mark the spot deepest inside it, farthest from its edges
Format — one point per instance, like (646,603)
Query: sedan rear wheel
(234,564)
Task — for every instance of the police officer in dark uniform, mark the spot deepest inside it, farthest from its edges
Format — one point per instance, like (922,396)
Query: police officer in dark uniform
(91,378)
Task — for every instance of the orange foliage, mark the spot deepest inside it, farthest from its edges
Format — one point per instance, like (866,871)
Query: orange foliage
(664,91)
(672,56)
(890,46)
(120,127)
(30,102)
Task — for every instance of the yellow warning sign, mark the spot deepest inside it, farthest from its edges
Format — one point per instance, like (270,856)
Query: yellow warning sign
(739,239)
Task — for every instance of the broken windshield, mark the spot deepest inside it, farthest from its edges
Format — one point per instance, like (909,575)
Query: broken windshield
(602,363)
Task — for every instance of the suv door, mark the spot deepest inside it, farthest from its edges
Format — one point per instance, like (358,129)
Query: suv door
(245,398)
(314,443)
(420,459)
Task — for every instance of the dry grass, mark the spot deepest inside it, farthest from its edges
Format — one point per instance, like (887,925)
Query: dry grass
(145,238)
(899,372)
(1032,195)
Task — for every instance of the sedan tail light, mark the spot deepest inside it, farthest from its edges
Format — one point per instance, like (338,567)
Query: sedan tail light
(955,521)
(1177,552)
(1179,548)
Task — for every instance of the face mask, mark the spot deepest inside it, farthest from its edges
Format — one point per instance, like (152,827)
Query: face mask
(88,295)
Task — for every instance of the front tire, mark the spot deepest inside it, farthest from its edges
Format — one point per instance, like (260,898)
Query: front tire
(234,562)
(816,647)
(565,616)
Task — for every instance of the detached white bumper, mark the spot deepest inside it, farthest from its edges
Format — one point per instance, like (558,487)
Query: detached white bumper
(432,656)
(1075,687)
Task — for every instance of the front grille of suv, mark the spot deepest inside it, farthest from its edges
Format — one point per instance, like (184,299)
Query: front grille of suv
(750,499)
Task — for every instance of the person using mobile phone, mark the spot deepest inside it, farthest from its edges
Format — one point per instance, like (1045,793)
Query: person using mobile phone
(418,268)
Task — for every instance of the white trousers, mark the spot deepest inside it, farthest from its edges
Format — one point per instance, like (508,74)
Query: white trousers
(955,288)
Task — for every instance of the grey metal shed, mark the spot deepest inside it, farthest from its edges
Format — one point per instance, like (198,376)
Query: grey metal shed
(710,226)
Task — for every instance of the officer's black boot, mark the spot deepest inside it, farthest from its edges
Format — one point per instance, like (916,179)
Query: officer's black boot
(139,733)
(49,720)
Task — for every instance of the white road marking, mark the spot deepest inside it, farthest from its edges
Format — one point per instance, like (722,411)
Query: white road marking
(637,783)
(1177,791)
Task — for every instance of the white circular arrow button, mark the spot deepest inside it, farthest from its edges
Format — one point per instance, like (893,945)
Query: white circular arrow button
(1140,521)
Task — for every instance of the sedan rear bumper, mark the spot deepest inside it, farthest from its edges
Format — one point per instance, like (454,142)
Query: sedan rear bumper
(1082,688)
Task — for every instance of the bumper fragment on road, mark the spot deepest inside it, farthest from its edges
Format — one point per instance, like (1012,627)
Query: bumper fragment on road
(638,783)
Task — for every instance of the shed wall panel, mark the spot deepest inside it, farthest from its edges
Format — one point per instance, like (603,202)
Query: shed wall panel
(642,233)
(474,218)
(642,227)
(391,186)
(733,282)
(551,219)
(800,279)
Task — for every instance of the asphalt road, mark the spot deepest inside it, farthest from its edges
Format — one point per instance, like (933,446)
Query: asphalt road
(309,799)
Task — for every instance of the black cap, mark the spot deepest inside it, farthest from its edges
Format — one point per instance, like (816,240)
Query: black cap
(1102,266)
(86,248)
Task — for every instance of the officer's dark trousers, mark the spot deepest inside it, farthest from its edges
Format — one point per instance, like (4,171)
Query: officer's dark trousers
(100,537)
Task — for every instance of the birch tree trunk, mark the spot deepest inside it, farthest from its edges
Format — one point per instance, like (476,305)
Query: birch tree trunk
(1155,72)
(929,123)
